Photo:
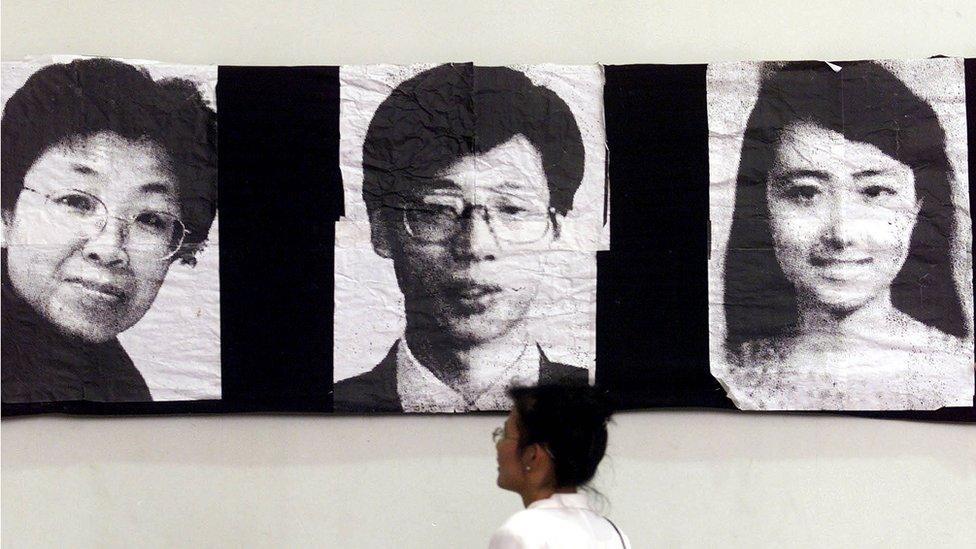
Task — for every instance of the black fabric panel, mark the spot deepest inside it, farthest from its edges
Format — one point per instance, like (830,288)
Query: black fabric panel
(652,286)
(280,195)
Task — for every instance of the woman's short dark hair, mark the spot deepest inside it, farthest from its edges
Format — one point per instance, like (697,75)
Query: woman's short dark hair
(61,103)
(866,103)
(570,421)
(453,110)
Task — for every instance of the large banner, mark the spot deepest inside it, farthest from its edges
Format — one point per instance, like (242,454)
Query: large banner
(418,239)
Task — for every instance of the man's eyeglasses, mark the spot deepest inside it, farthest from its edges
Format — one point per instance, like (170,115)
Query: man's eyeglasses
(436,221)
(154,233)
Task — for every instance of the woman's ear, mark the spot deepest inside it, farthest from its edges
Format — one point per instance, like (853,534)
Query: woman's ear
(533,455)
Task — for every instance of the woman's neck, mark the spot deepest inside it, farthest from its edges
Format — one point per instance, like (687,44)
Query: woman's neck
(530,496)
(815,319)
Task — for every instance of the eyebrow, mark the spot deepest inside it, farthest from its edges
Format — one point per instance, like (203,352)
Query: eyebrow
(82,169)
(437,184)
(517,185)
(792,174)
(871,173)
(156,188)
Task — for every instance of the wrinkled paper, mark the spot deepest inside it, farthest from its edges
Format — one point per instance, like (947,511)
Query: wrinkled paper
(866,354)
(175,345)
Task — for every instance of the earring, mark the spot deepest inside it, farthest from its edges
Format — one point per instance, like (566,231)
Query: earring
(527,468)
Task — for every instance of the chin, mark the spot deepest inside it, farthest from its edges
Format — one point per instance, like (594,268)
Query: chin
(479,330)
(93,329)
(843,304)
(92,333)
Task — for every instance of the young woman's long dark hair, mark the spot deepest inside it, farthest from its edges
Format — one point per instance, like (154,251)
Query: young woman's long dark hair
(866,103)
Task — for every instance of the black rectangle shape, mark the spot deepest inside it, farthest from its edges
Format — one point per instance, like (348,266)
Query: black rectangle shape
(652,286)
(281,193)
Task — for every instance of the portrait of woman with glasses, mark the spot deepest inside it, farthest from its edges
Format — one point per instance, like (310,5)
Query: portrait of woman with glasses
(468,174)
(109,177)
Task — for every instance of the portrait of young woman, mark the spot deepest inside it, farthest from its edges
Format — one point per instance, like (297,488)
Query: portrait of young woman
(847,279)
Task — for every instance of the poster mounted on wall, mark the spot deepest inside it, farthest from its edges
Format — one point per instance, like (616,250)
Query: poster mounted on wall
(475,202)
(110,265)
(416,239)
(841,270)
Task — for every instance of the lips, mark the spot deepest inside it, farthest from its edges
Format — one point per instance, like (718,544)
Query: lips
(842,268)
(475,291)
(474,297)
(829,261)
(98,288)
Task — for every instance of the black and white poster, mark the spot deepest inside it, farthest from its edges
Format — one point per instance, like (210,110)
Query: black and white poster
(840,271)
(475,202)
(419,238)
(110,266)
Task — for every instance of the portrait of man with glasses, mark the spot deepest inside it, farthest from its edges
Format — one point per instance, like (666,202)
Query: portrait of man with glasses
(468,175)
(109,178)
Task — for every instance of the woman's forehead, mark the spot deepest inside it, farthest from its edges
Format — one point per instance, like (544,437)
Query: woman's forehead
(808,144)
(107,160)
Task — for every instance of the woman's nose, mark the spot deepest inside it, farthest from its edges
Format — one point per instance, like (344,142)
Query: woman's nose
(842,219)
(107,246)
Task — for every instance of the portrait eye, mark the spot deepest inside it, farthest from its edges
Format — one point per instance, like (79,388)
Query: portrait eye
(801,193)
(436,210)
(512,210)
(76,202)
(154,222)
(874,191)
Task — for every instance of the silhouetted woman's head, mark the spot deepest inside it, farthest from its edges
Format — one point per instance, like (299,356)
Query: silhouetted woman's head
(568,422)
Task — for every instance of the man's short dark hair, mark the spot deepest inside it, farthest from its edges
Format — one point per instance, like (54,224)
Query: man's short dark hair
(454,110)
(64,102)
(865,103)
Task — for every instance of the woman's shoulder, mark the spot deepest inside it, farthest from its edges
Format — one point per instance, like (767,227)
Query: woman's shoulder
(555,526)
(529,521)
(524,529)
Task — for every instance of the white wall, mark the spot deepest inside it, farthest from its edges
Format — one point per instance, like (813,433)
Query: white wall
(688,479)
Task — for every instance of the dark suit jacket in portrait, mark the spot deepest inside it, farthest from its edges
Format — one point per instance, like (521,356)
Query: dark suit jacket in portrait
(376,390)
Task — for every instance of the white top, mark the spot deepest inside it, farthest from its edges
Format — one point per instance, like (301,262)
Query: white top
(421,391)
(563,521)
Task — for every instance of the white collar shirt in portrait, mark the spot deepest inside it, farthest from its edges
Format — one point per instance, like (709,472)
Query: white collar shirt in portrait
(422,392)
(566,521)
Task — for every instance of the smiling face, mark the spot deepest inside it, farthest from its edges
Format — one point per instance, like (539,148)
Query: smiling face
(86,280)
(841,214)
(460,252)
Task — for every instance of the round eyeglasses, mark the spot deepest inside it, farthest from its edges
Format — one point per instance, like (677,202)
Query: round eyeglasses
(151,232)
(514,224)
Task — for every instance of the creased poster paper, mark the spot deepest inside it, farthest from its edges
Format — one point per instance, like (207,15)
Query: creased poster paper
(111,288)
(840,275)
(477,259)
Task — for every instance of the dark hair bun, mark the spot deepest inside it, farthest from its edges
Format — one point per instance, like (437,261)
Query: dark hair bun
(571,421)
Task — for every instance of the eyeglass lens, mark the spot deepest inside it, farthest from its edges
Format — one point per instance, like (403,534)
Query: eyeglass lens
(153,232)
(511,223)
